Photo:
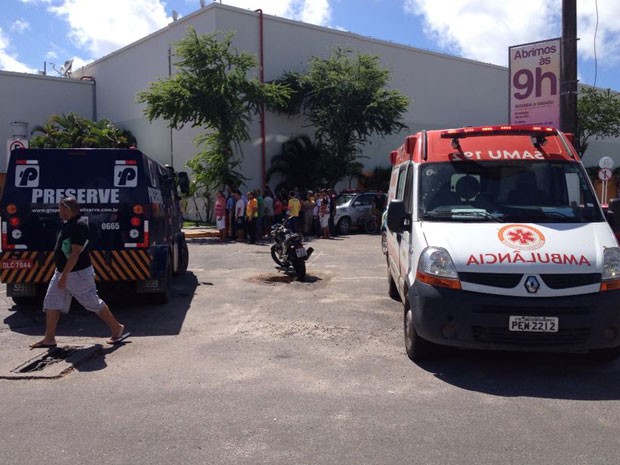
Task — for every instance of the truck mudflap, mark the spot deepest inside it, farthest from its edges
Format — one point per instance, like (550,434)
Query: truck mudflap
(110,266)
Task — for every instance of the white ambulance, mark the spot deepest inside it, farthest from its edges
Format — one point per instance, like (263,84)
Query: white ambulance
(496,240)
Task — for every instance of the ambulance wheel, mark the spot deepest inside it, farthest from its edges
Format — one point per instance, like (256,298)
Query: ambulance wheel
(605,355)
(392,289)
(418,349)
(181,254)
(344,226)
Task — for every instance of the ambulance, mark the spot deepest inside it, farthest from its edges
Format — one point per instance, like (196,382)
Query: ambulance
(496,240)
(131,203)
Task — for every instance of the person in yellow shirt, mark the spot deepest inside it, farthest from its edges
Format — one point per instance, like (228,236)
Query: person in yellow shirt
(294,207)
(251,214)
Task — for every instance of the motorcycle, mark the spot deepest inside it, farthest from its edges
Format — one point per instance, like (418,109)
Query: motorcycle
(288,249)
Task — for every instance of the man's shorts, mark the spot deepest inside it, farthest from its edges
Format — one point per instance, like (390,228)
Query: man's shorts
(80,284)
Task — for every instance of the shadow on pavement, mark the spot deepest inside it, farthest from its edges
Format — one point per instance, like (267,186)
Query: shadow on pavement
(138,316)
(516,374)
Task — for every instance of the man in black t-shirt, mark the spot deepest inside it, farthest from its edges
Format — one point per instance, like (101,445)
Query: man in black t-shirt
(74,277)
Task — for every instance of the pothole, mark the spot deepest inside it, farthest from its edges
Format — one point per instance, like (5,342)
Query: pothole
(285,278)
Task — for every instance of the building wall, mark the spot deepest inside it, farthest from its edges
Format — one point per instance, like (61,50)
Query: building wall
(32,99)
(444,91)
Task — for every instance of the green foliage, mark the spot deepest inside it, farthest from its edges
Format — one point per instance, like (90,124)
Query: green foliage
(300,164)
(347,100)
(74,131)
(211,89)
(598,116)
(378,180)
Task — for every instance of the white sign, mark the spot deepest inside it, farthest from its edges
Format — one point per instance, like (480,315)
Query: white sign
(606,162)
(535,83)
(12,144)
(605,174)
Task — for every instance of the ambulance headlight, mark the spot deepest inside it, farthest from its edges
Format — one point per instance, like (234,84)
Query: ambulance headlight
(611,263)
(436,268)
(436,261)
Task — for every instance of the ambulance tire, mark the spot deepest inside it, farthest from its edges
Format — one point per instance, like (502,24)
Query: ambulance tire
(605,355)
(418,349)
(392,289)
(181,254)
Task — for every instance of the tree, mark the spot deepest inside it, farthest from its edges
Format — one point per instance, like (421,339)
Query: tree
(299,162)
(74,131)
(347,101)
(598,116)
(212,90)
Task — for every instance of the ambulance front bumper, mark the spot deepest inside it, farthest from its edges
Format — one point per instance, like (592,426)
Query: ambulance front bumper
(482,321)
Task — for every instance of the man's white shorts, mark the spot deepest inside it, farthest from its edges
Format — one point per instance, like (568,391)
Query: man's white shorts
(80,284)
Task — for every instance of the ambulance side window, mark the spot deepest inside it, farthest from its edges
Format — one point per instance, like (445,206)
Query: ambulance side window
(401,182)
(408,190)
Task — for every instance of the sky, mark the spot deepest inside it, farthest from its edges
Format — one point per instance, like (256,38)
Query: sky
(44,34)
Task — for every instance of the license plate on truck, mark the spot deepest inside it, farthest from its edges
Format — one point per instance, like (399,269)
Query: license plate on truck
(534,324)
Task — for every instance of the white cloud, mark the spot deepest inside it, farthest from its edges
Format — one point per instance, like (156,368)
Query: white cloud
(20,26)
(8,61)
(309,11)
(104,26)
(484,29)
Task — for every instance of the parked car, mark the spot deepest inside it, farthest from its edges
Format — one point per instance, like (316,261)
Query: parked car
(353,209)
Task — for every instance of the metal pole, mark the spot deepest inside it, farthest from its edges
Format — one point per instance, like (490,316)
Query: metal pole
(568,105)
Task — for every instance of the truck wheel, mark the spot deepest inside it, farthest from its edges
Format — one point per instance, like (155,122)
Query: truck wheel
(26,301)
(344,226)
(163,297)
(418,349)
(181,253)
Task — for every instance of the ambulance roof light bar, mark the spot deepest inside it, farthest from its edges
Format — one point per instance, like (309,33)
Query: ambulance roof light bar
(534,131)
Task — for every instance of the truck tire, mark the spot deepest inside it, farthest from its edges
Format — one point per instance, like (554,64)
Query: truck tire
(163,297)
(418,348)
(181,254)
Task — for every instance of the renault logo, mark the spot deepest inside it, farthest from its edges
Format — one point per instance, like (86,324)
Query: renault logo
(532,285)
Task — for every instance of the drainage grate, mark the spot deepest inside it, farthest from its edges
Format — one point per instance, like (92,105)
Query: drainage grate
(40,363)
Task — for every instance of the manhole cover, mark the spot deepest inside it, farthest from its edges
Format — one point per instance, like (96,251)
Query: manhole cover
(54,363)
(56,355)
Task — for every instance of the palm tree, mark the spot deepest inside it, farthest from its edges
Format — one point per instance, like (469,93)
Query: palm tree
(299,163)
(74,131)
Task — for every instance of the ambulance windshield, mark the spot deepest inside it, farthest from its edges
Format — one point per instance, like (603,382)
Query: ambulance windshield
(511,190)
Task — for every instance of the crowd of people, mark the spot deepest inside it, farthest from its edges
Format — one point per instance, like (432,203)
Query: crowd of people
(248,216)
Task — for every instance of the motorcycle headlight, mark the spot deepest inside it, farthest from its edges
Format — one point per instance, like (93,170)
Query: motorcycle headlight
(437,268)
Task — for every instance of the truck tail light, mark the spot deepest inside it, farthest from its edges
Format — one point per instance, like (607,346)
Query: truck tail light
(14,222)
(11,209)
(138,209)
(136,221)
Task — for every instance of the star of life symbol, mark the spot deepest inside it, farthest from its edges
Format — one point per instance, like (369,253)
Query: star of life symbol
(521,236)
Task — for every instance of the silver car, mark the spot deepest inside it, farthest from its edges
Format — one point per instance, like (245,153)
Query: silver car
(353,209)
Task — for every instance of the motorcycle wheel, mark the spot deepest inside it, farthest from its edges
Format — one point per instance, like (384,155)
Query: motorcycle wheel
(275,248)
(300,268)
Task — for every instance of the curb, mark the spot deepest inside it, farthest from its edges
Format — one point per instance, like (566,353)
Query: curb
(200,233)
